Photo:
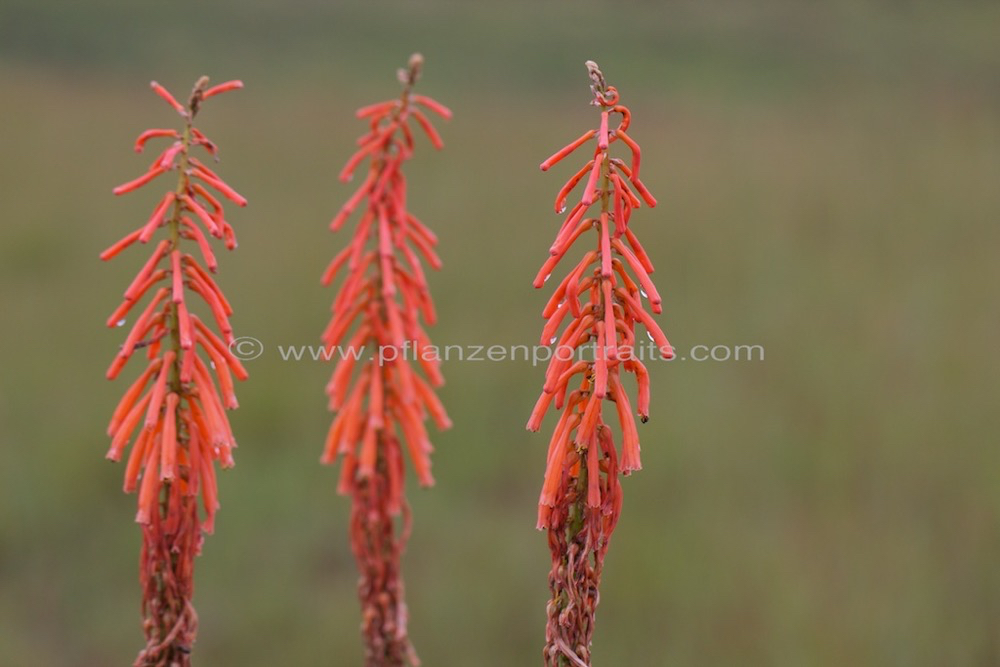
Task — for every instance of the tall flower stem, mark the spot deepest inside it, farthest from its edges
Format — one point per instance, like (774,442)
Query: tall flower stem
(176,404)
(382,403)
(581,496)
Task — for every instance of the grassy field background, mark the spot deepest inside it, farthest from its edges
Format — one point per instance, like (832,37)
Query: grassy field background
(828,184)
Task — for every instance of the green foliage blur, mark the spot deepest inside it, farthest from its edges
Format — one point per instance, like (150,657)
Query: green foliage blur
(828,184)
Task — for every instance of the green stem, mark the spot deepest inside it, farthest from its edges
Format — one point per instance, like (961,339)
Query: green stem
(167,622)
(174,230)
(373,527)
(578,510)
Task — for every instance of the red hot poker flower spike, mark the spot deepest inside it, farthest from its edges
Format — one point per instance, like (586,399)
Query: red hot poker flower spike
(581,496)
(383,403)
(174,409)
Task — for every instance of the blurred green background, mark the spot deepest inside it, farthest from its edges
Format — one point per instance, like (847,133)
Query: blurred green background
(828,181)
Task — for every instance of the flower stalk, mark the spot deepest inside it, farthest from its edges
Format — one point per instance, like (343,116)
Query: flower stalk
(601,297)
(381,404)
(173,414)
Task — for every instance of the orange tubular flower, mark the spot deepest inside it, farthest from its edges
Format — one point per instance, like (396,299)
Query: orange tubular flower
(383,408)
(175,409)
(581,497)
